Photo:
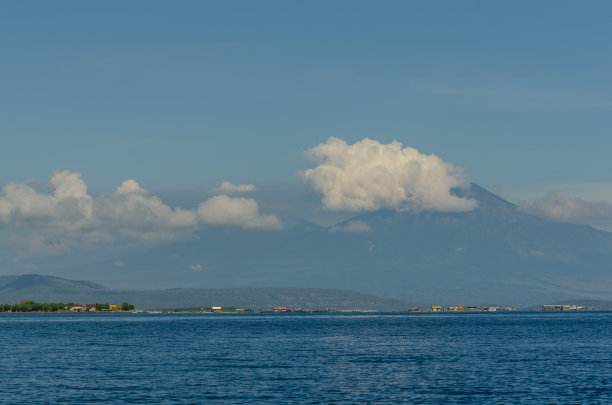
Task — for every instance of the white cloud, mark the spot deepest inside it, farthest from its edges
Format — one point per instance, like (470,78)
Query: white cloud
(130,186)
(229,188)
(195,267)
(368,176)
(69,205)
(68,217)
(222,210)
(558,206)
(119,263)
(587,190)
(353,226)
(134,209)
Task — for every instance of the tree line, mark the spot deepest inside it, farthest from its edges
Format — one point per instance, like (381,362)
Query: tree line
(32,306)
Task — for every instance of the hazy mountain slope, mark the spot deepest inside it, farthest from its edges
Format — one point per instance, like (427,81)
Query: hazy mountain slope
(7,279)
(42,288)
(494,254)
(48,284)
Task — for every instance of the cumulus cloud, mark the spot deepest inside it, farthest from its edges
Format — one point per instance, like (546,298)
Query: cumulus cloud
(130,186)
(353,226)
(222,210)
(69,217)
(558,206)
(195,267)
(131,208)
(69,204)
(229,188)
(369,175)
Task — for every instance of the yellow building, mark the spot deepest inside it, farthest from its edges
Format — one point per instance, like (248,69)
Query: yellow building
(114,307)
(436,308)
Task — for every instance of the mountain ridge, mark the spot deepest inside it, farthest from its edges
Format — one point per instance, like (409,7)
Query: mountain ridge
(44,288)
(494,253)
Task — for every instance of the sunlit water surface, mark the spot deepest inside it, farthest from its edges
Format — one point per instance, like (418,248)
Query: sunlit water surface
(374,358)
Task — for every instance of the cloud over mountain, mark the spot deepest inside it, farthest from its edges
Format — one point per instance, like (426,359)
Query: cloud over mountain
(69,217)
(558,206)
(369,175)
(242,212)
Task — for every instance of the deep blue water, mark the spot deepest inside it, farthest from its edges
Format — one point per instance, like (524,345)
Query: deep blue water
(374,358)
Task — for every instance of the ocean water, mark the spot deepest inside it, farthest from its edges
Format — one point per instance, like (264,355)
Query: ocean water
(292,358)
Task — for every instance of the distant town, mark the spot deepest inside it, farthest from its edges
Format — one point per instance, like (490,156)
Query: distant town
(466,308)
(58,307)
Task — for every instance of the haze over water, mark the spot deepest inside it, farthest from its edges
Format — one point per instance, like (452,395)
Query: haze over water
(373,358)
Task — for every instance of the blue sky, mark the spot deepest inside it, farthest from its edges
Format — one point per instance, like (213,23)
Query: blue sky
(181,96)
(184,95)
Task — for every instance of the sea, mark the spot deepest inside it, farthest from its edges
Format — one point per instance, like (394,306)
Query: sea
(415,358)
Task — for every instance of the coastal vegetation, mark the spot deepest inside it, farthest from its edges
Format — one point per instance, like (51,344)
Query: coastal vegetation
(33,306)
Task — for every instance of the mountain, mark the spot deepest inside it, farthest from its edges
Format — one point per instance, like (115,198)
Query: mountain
(493,255)
(38,284)
(43,288)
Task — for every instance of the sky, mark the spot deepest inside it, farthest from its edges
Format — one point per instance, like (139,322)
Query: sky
(109,107)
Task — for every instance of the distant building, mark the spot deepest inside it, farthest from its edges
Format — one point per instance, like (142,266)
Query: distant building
(216,309)
(562,307)
(283,309)
(436,308)
(114,307)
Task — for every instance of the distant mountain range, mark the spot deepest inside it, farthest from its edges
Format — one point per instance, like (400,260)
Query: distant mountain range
(41,288)
(495,255)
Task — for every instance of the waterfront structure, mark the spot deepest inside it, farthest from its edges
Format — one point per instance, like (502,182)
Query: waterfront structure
(562,307)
